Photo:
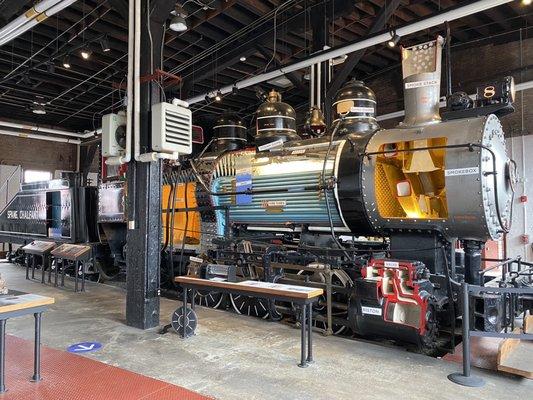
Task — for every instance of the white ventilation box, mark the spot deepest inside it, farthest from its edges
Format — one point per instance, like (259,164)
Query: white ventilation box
(113,134)
(171,129)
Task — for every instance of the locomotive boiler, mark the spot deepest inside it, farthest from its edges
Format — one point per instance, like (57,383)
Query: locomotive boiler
(427,187)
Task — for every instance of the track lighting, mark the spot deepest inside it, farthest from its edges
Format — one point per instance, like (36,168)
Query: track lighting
(218,96)
(234,89)
(66,61)
(243,58)
(85,52)
(394,40)
(104,42)
(38,109)
(207,99)
(178,23)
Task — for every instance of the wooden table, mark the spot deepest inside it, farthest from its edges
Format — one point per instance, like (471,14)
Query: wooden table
(17,304)
(302,295)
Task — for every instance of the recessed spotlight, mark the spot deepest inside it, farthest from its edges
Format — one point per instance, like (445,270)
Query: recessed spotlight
(243,58)
(66,62)
(85,52)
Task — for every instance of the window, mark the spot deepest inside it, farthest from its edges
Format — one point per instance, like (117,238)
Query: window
(36,176)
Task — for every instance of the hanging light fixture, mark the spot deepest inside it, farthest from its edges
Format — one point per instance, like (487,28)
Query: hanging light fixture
(66,61)
(243,58)
(104,42)
(178,22)
(218,96)
(85,52)
(234,89)
(38,106)
(394,40)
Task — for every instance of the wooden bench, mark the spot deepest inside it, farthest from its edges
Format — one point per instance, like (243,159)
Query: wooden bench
(17,304)
(184,320)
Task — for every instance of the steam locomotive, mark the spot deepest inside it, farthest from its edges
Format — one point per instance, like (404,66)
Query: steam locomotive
(387,221)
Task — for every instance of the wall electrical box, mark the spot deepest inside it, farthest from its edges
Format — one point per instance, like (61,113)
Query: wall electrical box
(171,129)
(114,135)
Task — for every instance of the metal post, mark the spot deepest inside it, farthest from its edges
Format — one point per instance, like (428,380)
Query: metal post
(56,272)
(465,378)
(2,355)
(37,349)
(63,272)
(303,317)
(33,265)
(184,312)
(329,306)
(309,334)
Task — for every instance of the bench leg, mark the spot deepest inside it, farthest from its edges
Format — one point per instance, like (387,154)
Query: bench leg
(33,265)
(37,349)
(309,334)
(2,355)
(76,270)
(43,268)
(303,318)
(83,276)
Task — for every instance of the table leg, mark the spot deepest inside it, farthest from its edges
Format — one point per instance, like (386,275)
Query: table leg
(37,349)
(56,272)
(83,276)
(76,268)
(42,268)
(184,312)
(2,356)
(309,334)
(63,272)
(27,266)
(303,318)
(33,265)
(49,265)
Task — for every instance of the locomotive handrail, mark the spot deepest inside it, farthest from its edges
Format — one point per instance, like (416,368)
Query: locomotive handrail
(470,146)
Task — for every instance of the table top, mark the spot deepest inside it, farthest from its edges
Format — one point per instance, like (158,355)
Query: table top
(16,301)
(72,251)
(39,247)
(257,287)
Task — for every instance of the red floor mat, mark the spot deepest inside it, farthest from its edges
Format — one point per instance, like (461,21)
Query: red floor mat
(68,376)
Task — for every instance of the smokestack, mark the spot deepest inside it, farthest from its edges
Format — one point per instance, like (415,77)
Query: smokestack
(421,67)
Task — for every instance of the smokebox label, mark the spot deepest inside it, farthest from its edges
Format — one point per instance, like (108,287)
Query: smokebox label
(462,171)
(370,310)
(271,145)
(417,84)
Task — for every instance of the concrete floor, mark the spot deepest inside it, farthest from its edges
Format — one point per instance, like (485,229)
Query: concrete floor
(235,357)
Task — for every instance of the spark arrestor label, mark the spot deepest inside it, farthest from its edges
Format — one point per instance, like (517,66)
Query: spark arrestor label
(462,171)
(417,84)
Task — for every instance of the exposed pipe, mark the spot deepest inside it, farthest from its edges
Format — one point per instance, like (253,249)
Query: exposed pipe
(27,16)
(377,39)
(132,51)
(39,137)
(30,22)
(397,114)
(136,82)
(35,128)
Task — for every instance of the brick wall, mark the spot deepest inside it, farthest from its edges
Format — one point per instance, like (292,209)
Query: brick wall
(37,154)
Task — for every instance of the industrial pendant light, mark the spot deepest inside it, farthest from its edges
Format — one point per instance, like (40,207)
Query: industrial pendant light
(178,23)
(66,61)
(218,96)
(104,42)
(85,52)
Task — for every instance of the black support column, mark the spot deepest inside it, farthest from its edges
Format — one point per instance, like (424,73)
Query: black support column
(144,183)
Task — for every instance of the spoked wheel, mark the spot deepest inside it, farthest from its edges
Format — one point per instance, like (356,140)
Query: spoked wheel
(247,305)
(338,278)
(188,323)
(208,298)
